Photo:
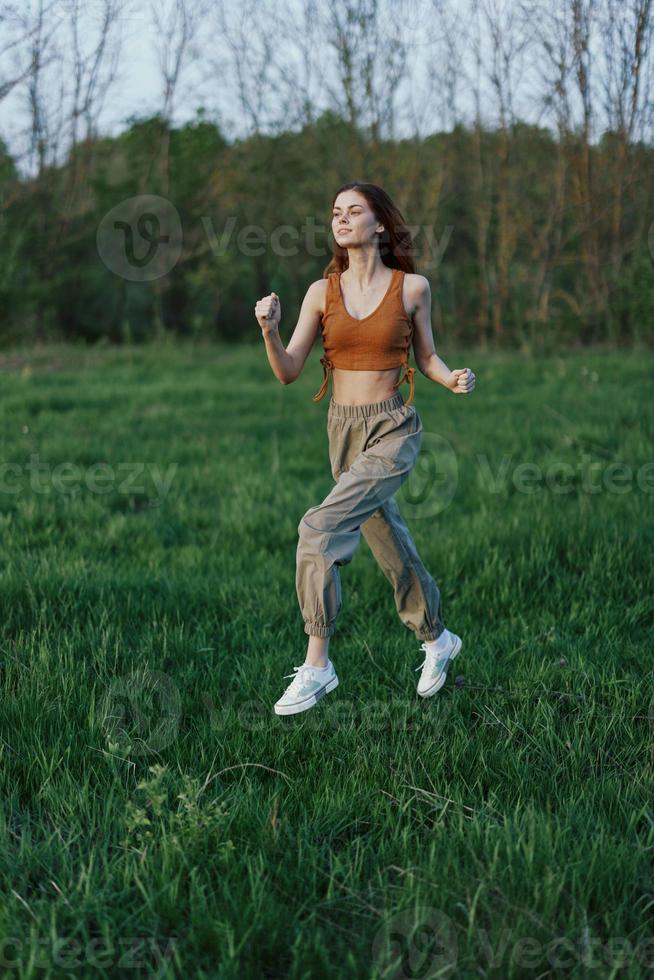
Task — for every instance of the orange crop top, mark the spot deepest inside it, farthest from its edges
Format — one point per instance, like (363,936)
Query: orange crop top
(376,342)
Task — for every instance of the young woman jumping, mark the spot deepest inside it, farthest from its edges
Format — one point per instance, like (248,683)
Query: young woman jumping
(370,306)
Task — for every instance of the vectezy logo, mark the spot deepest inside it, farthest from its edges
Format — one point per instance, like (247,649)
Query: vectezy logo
(141,713)
(416,943)
(140,239)
(433,481)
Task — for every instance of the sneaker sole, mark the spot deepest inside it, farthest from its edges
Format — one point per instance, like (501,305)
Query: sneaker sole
(439,683)
(294,709)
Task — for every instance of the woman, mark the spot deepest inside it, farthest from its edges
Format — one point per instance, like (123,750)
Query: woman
(370,306)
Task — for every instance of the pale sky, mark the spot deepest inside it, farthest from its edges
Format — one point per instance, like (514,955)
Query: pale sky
(138,87)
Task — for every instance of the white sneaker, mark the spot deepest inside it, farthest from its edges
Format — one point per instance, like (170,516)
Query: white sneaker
(309,684)
(435,664)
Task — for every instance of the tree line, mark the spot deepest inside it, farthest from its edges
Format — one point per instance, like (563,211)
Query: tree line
(534,232)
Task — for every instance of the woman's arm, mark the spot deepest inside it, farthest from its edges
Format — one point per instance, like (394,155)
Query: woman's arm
(287,363)
(461,380)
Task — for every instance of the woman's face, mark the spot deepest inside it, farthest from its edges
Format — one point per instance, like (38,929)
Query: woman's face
(353,221)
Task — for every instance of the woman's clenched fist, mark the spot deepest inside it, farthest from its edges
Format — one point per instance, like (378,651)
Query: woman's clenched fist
(268,312)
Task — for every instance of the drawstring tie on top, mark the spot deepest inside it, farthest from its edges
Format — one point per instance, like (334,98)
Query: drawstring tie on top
(326,366)
(407,376)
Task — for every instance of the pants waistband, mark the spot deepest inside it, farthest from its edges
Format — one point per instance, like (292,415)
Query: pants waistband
(363,411)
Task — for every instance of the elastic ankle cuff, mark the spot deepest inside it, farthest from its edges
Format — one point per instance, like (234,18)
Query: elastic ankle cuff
(316,629)
(430,635)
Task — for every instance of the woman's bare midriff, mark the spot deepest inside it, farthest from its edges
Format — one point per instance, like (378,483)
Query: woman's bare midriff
(363,387)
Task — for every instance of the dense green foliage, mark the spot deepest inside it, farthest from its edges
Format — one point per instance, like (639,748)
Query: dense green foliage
(520,251)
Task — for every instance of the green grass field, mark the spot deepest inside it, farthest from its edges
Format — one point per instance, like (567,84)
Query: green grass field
(156,817)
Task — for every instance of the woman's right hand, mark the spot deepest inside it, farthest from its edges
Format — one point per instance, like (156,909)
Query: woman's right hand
(268,312)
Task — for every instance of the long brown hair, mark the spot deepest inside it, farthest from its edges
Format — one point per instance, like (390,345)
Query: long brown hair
(395,242)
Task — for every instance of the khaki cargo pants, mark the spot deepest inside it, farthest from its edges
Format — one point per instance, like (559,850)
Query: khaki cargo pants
(372,450)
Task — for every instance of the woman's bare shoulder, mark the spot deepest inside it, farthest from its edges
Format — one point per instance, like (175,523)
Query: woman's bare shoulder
(416,282)
(415,287)
(317,292)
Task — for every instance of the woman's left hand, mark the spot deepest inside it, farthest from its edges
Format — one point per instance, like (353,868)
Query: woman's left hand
(461,381)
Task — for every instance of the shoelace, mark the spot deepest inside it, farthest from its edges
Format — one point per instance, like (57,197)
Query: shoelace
(298,676)
(430,656)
